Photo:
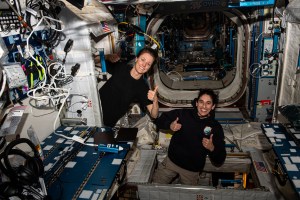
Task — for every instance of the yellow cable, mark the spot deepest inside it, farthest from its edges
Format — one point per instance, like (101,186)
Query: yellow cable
(122,23)
(121,31)
(153,40)
(244,180)
(158,45)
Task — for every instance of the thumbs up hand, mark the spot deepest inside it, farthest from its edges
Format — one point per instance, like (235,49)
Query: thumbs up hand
(152,94)
(175,126)
(208,143)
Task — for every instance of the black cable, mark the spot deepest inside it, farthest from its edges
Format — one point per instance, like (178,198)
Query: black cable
(2,165)
(273,12)
(40,107)
(33,191)
(3,142)
(67,49)
(65,81)
(52,35)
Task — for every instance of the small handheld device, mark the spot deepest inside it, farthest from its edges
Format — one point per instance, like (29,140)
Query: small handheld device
(207,132)
(68,46)
(112,148)
(67,49)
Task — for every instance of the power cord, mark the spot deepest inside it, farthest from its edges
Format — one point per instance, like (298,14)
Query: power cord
(131,28)
(67,49)
(3,82)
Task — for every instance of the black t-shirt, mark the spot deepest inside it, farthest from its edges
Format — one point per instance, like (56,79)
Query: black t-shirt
(119,92)
(186,149)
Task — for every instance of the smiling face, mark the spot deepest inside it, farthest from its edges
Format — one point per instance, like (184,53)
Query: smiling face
(143,63)
(204,105)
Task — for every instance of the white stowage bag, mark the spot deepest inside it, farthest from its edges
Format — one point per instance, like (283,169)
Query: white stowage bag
(246,135)
(147,133)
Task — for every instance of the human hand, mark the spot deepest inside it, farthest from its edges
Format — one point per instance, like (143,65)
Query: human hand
(152,94)
(175,126)
(208,143)
(113,58)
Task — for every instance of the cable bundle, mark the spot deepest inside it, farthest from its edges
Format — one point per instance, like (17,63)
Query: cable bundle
(35,10)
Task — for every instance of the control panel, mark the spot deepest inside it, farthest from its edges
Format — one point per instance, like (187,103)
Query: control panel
(288,153)
(268,62)
(75,170)
(8,18)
